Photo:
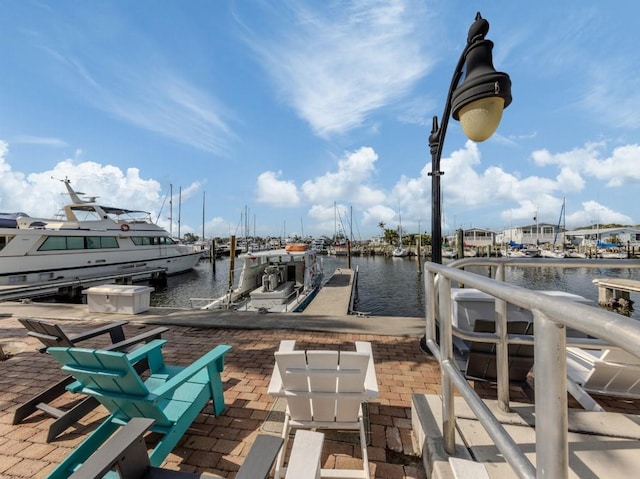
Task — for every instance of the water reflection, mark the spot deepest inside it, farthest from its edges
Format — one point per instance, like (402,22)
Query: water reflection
(389,286)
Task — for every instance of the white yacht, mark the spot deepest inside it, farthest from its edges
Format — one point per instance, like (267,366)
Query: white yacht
(280,280)
(89,240)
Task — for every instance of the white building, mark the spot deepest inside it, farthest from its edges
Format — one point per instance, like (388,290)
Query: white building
(536,234)
(622,236)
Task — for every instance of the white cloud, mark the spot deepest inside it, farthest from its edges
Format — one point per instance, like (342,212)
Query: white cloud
(275,192)
(43,195)
(380,213)
(139,88)
(40,140)
(618,169)
(594,213)
(337,65)
(349,183)
(570,180)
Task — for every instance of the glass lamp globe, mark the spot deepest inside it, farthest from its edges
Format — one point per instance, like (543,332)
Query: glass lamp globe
(480,119)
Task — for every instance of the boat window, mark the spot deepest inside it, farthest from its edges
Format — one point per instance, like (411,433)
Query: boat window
(108,242)
(75,242)
(21,278)
(93,242)
(166,240)
(57,243)
(3,241)
(141,240)
(53,243)
(152,240)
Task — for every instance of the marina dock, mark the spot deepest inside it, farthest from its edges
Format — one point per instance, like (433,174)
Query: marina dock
(614,289)
(336,296)
(74,287)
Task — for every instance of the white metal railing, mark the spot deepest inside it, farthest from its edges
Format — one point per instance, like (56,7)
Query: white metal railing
(551,318)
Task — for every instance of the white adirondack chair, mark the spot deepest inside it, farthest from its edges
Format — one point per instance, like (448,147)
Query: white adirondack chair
(324,390)
(611,372)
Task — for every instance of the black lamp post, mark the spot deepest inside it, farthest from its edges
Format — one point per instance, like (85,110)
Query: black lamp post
(477,103)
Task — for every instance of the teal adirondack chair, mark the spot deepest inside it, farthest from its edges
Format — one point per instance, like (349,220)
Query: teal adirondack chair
(172,395)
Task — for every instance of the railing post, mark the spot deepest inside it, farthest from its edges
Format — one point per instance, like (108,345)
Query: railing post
(502,349)
(430,310)
(550,371)
(446,349)
(502,354)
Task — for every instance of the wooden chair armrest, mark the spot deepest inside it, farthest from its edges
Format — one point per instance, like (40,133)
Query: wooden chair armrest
(144,337)
(146,350)
(370,379)
(126,449)
(287,345)
(216,355)
(261,457)
(275,383)
(114,329)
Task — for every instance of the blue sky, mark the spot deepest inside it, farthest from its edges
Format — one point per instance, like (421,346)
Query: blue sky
(282,109)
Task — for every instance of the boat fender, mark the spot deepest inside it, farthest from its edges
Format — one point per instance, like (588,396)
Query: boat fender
(124,227)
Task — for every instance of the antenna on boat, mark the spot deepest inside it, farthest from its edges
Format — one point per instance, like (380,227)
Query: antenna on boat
(73,194)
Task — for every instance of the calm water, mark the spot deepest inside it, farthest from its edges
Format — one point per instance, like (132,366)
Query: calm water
(389,286)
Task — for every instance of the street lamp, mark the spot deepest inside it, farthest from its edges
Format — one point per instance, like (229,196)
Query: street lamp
(477,103)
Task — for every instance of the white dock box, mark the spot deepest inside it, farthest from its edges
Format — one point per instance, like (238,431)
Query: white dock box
(118,298)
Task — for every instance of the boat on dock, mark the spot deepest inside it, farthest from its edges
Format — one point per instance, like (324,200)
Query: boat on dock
(88,239)
(280,280)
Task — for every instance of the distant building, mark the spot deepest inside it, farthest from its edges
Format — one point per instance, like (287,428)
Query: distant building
(478,237)
(622,236)
(540,233)
(377,241)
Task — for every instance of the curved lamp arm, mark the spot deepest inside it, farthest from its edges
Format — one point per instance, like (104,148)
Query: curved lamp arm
(480,89)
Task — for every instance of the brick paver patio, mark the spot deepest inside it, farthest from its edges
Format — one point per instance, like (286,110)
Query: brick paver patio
(219,444)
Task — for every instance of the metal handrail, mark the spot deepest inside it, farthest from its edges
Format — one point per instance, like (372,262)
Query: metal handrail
(551,318)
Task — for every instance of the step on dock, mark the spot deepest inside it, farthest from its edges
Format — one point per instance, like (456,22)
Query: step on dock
(601,444)
(334,298)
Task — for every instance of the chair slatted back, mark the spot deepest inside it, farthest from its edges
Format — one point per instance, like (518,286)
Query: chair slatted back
(48,333)
(324,386)
(614,378)
(113,380)
(616,355)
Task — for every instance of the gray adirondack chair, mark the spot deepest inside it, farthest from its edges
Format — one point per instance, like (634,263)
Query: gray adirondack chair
(126,452)
(51,334)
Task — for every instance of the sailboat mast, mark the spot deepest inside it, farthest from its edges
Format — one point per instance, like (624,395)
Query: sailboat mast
(203,196)
(171,209)
(335,223)
(179,209)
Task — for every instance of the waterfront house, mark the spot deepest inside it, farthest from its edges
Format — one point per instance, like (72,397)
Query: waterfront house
(534,234)
(624,235)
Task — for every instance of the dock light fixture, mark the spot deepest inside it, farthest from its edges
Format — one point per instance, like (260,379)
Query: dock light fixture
(477,103)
